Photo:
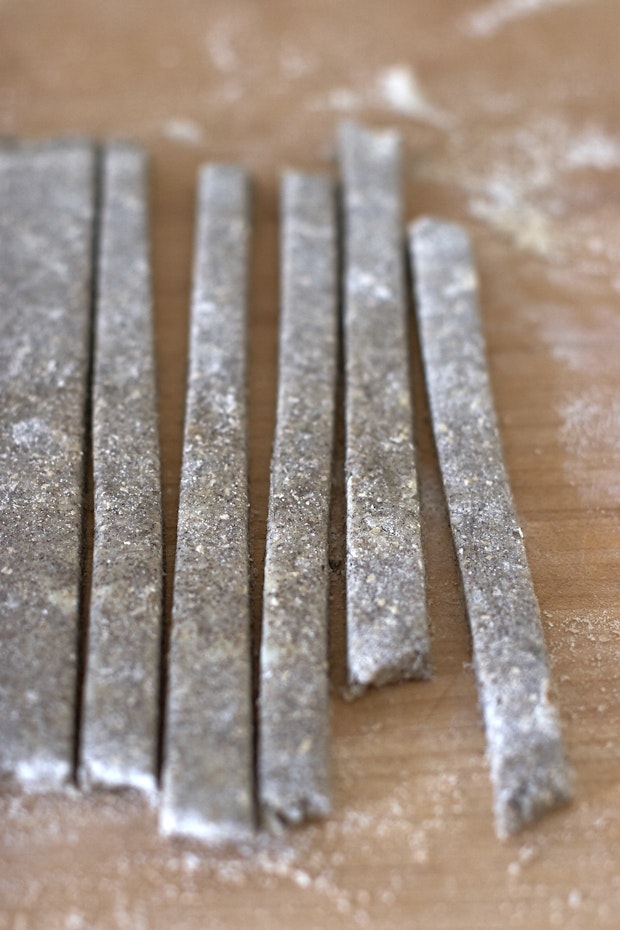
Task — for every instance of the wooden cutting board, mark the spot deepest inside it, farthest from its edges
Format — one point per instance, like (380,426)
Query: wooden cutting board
(509,110)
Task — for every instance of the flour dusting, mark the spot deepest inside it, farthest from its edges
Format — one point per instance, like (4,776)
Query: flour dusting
(185,131)
(220,47)
(294,64)
(591,423)
(315,861)
(490,19)
(400,90)
(345,100)
(396,89)
(593,148)
(513,177)
(505,210)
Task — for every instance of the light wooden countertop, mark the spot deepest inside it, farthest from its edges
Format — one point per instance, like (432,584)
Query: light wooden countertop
(509,110)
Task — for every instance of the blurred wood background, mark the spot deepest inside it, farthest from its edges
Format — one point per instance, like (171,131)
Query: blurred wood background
(509,110)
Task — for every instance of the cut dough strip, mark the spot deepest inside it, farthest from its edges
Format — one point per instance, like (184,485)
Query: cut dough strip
(121,693)
(208,778)
(294,694)
(387,630)
(528,767)
(47,204)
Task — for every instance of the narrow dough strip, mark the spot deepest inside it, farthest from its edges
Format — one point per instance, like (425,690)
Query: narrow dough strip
(294,694)
(121,692)
(387,629)
(524,746)
(208,779)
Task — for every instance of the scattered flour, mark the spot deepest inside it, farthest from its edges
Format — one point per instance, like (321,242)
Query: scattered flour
(396,89)
(344,99)
(595,637)
(591,424)
(571,357)
(512,179)
(316,861)
(220,47)
(400,90)
(186,131)
(590,435)
(506,211)
(294,64)
(585,398)
(489,19)
(593,148)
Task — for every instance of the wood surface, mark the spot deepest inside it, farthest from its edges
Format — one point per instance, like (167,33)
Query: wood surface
(512,129)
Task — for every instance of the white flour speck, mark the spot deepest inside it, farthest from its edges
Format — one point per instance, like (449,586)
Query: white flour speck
(399,89)
(295,65)
(396,89)
(591,422)
(594,148)
(219,42)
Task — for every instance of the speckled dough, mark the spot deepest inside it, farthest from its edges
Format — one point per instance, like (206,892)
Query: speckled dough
(121,694)
(207,785)
(528,768)
(294,695)
(46,227)
(387,632)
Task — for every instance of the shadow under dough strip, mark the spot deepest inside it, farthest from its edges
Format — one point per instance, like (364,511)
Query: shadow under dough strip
(121,693)
(294,693)
(387,630)
(207,779)
(524,747)
(47,202)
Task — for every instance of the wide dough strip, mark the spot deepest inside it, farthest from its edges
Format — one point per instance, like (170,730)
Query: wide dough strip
(47,204)
(294,690)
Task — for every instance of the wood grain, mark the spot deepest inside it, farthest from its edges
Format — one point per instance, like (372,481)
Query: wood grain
(512,130)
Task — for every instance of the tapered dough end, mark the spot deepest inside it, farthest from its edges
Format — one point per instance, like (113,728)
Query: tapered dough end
(530,785)
(373,669)
(279,813)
